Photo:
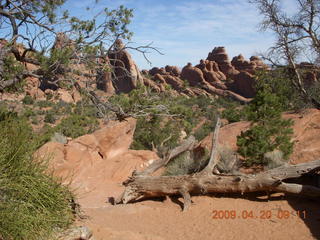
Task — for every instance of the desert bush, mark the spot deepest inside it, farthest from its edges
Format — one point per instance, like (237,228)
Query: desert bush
(268,131)
(156,131)
(33,204)
(279,81)
(12,69)
(28,112)
(186,163)
(77,125)
(204,130)
(236,113)
(44,103)
(228,162)
(274,159)
(28,100)
(49,117)
(164,116)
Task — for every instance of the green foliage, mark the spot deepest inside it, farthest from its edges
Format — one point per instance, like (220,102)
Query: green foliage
(28,100)
(11,68)
(156,130)
(44,104)
(33,204)
(49,117)
(77,125)
(268,131)
(164,116)
(28,112)
(279,81)
(204,130)
(55,62)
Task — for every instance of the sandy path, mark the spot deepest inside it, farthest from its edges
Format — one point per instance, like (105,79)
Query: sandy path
(153,220)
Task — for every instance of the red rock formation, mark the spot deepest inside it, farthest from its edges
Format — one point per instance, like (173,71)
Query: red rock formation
(62,41)
(173,70)
(244,84)
(193,75)
(176,83)
(220,56)
(211,73)
(243,65)
(92,162)
(104,79)
(148,82)
(156,70)
(126,73)
(259,63)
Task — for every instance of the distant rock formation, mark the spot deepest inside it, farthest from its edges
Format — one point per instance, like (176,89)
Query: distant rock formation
(216,75)
(220,56)
(104,79)
(193,75)
(126,73)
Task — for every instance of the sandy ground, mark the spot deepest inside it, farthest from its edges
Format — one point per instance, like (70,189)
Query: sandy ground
(164,220)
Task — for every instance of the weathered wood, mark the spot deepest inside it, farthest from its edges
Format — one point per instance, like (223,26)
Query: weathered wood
(140,187)
(209,180)
(185,146)
(214,158)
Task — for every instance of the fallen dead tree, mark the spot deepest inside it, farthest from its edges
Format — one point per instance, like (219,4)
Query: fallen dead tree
(209,180)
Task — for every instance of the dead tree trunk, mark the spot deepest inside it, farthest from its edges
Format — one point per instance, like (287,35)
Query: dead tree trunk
(209,180)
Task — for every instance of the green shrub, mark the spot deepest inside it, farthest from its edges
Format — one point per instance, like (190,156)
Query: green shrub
(49,117)
(156,130)
(28,100)
(268,131)
(235,114)
(44,104)
(164,115)
(34,120)
(12,69)
(28,112)
(204,130)
(77,125)
(33,204)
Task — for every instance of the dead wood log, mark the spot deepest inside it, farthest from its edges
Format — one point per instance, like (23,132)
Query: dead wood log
(141,187)
(209,180)
(185,146)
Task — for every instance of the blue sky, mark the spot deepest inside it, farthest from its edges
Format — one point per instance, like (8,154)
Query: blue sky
(186,30)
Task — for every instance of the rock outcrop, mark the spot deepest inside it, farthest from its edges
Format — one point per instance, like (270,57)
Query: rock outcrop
(220,56)
(193,75)
(241,64)
(216,75)
(92,162)
(126,73)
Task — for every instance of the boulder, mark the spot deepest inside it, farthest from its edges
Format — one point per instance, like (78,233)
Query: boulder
(93,161)
(175,82)
(65,95)
(193,75)
(244,84)
(126,73)
(104,79)
(173,70)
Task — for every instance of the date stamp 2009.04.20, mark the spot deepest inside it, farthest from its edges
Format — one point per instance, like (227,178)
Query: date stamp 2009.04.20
(262,214)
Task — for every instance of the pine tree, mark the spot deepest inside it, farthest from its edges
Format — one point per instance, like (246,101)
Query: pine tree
(268,131)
